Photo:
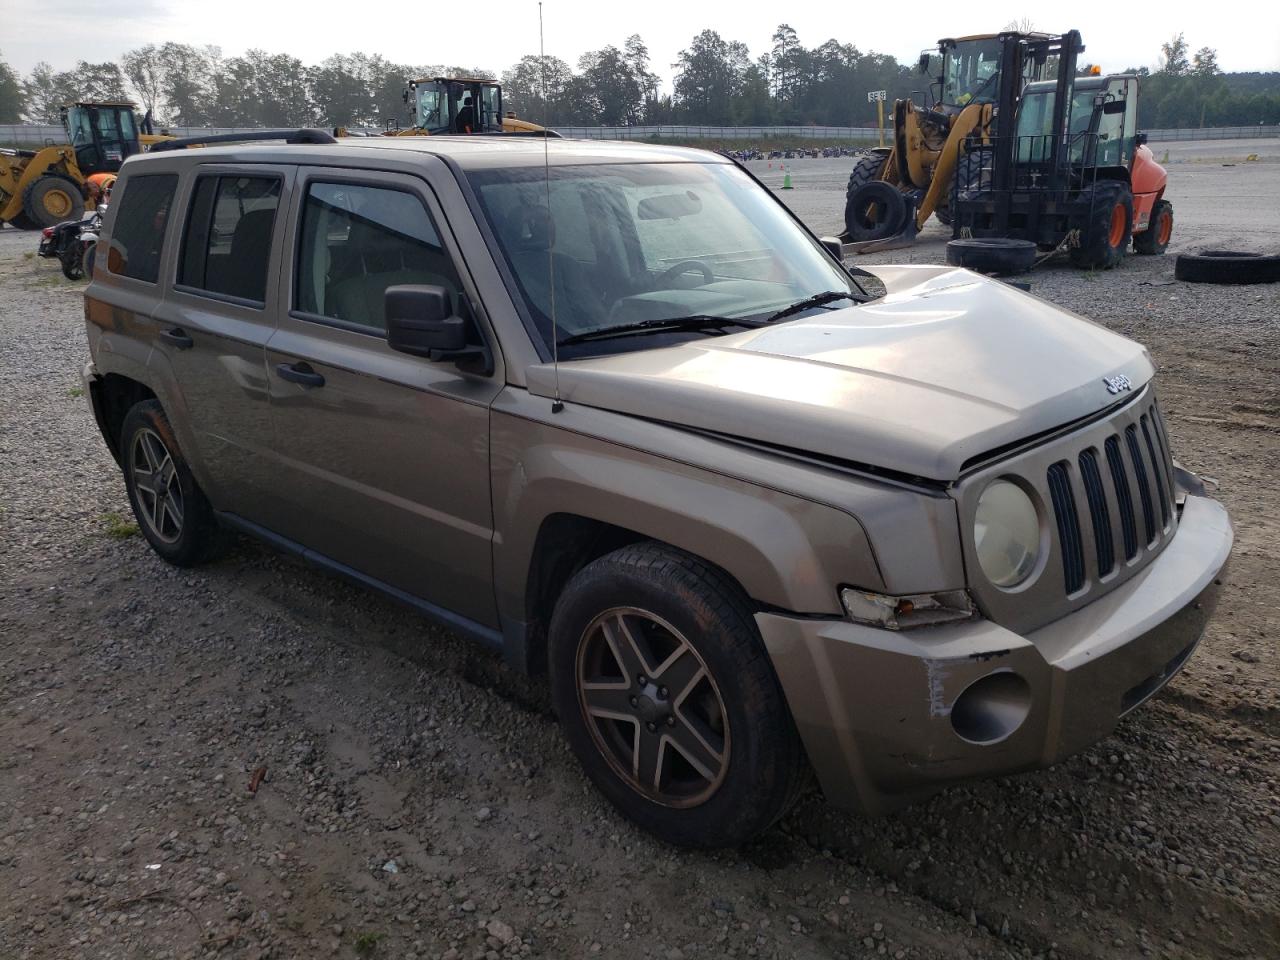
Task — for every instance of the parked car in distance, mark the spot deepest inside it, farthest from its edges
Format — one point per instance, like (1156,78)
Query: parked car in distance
(613,411)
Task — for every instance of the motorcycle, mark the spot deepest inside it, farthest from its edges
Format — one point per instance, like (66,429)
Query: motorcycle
(73,244)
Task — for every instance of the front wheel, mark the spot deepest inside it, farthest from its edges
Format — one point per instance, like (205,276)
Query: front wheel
(69,257)
(1155,239)
(668,698)
(1108,226)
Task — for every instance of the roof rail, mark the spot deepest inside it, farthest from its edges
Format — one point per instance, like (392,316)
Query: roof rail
(301,135)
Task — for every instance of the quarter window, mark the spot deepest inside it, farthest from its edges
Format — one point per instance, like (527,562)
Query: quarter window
(228,239)
(137,236)
(359,240)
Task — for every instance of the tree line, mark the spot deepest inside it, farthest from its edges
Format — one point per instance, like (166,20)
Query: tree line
(716,81)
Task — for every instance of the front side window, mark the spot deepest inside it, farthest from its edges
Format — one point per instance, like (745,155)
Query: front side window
(433,110)
(228,238)
(358,240)
(141,216)
(972,72)
(622,244)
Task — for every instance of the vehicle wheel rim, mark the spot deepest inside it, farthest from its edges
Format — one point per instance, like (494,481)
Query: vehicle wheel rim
(155,481)
(652,707)
(57,203)
(1165,228)
(1117,225)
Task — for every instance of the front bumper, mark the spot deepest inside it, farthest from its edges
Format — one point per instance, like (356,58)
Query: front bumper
(875,707)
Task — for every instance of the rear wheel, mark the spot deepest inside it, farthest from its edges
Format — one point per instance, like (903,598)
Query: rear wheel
(668,699)
(51,199)
(172,511)
(1155,239)
(87,255)
(1108,226)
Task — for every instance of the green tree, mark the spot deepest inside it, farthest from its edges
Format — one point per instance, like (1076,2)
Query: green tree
(13,99)
(709,77)
(145,73)
(1205,62)
(1173,57)
(536,88)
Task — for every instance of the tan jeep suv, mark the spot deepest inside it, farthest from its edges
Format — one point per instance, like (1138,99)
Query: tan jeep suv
(614,412)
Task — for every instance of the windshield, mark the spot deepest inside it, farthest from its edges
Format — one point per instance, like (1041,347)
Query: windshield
(433,111)
(970,72)
(645,243)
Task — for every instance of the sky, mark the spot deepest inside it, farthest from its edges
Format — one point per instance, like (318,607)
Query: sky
(495,34)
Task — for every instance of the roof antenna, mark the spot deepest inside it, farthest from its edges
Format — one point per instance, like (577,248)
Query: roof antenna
(557,404)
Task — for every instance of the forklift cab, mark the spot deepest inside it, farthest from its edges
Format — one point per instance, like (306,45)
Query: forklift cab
(103,135)
(439,105)
(1101,121)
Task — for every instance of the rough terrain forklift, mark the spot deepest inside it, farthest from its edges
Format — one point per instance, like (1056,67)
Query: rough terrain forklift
(1015,146)
(44,187)
(438,105)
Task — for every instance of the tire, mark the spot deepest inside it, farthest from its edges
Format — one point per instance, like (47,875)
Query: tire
(868,167)
(733,712)
(943,214)
(1155,239)
(22,222)
(995,255)
(973,173)
(875,211)
(1108,226)
(87,256)
(51,199)
(173,512)
(72,267)
(1227,266)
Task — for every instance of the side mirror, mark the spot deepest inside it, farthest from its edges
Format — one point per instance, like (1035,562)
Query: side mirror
(1112,107)
(421,322)
(923,65)
(834,247)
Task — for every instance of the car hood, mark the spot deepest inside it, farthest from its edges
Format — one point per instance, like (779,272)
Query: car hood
(946,367)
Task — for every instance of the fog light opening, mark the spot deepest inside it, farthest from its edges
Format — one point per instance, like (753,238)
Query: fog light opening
(991,708)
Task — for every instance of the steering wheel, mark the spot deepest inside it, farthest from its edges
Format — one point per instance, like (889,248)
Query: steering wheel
(683,267)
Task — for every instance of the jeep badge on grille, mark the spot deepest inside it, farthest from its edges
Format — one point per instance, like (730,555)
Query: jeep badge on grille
(1118,383)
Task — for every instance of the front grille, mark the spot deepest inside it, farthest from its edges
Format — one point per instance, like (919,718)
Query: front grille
(1089,504)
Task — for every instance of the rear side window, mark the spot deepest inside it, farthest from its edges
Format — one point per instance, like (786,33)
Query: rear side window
(141,216)
(359,240)
(228,238)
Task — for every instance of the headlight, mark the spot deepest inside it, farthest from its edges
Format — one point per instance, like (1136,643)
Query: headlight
(1006,534)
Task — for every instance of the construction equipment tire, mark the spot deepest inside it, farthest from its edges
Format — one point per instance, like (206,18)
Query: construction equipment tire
(1155,239)
(1000,256)
(51,199)
(1227,266)
(1108,228)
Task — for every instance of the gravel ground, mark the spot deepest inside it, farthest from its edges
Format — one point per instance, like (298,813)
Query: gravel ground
(417,800)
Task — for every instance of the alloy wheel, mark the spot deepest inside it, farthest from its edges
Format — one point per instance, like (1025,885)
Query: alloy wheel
(155,481)
(652,707)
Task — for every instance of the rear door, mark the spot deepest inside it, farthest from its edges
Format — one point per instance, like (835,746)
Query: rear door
(215,321)
(387,455)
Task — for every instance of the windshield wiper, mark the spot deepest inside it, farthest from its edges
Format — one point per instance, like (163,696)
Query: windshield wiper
(697,321)
(817,300)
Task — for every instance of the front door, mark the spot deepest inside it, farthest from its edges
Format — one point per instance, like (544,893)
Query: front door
(387,455)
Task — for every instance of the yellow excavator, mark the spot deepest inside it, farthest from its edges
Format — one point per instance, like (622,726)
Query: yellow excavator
(55,183)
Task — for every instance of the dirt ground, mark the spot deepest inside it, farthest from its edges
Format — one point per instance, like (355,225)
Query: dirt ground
(417,799)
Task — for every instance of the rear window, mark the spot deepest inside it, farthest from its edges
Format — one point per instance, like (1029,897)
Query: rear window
(141,216)
(228,238)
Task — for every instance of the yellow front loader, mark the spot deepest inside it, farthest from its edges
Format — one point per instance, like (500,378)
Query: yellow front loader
(52,184)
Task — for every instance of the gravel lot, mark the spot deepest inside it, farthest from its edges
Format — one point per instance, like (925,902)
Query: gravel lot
(417,799)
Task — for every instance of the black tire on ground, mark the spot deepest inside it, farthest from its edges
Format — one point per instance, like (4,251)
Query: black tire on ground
(87,257)
(996,255)
(172,511)
(867,166)
(1227,266)
(1155,239)
(1106,234)
(23,222)
(763,766)
(875,211)
(52,199)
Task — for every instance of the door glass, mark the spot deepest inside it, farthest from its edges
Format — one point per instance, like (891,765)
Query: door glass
(490,108)
(228,238)
(357,241)
(141,215)
(433,112)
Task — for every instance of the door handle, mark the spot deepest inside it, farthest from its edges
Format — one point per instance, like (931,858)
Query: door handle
(299,373)
(178,338)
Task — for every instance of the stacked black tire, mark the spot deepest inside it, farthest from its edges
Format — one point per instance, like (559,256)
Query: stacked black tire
(873,209)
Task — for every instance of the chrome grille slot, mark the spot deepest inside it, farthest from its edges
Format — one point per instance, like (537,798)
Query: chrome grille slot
(1099,515)
(1124,500)
(1144,488)
(1064,510)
